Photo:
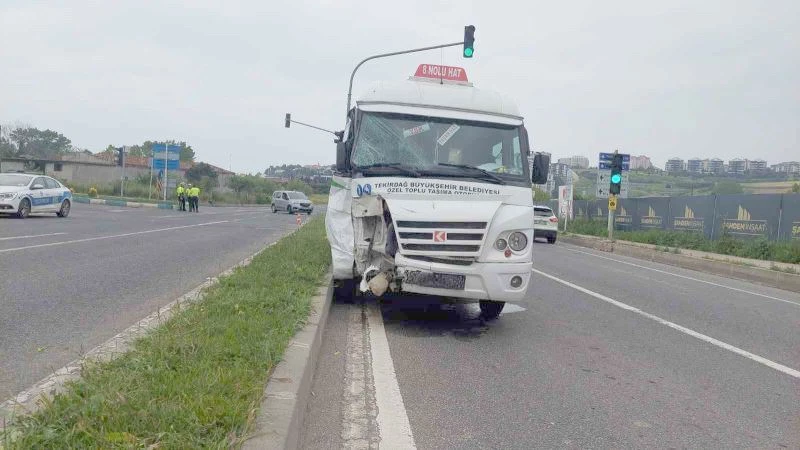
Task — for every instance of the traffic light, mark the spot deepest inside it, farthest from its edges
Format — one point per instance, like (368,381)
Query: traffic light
(616,174)
(469,41)
(120,155)
(288,120)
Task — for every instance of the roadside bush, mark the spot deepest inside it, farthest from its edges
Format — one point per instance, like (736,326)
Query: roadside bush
(789,252)
(758,249)
(93,192)
(727,245)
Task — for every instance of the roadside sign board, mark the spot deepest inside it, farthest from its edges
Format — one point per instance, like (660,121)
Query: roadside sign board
(166,156)
(171,164)
(565,201)
(604,161)
(603,181)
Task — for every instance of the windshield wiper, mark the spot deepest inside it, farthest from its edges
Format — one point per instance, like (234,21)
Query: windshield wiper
(485,174)
(402,168)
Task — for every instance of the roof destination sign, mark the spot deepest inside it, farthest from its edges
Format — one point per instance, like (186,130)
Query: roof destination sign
(440,72)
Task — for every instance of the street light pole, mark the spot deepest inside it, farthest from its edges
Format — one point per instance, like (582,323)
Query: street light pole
(384,55)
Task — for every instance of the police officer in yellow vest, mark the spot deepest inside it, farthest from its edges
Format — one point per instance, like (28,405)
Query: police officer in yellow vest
(194,198)
(181,194)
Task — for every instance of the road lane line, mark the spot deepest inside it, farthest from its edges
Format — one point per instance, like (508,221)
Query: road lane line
(393,424)
(98,238)
(30,236)
(686,277)
(759,359)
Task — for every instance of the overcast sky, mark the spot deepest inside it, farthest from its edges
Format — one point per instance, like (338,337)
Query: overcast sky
(711,78)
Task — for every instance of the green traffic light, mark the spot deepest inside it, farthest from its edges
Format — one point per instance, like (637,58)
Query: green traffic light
(616,178)
(468,52)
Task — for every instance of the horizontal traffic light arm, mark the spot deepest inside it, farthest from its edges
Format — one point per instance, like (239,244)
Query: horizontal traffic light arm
(384,55)
(314,127)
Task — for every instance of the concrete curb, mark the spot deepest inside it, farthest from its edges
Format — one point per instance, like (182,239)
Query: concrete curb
(714,264)
(122,203)
(283,406)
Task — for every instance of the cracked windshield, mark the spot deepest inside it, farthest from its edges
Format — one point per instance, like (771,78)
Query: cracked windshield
(426,142)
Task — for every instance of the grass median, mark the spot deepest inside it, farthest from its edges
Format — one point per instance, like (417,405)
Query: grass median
(197,380)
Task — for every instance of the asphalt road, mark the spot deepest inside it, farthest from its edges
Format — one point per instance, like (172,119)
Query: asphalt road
(67,285)
(608,352)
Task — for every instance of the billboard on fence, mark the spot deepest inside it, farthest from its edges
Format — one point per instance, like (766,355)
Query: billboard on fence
(693,214)
(652,213)
(790,218)
(749,216)
(625,215)
(771,216)
(581,208)
(598,209)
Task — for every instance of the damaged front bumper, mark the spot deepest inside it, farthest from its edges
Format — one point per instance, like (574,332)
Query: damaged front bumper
(478,281)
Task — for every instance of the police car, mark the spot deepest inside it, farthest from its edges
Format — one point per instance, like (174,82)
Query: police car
(23,194)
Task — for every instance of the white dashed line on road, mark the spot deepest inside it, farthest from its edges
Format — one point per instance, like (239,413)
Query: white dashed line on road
(30,236)
(116,236)
(759,359)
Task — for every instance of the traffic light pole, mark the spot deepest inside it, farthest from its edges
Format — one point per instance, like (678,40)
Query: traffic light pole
(384,55)
(314,127)
(610,224)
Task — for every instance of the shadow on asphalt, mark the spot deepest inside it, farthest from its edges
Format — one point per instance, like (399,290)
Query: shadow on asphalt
(32,216)
(423,316)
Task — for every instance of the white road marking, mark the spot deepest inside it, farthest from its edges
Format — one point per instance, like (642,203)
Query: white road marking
(686,277)
(759,359)
(393,424)
(512,308)
(30,236)
(98,238)
(118,210)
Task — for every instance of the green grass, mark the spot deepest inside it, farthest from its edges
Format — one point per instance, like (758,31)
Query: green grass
(319,199)
(788,252)
(196,381)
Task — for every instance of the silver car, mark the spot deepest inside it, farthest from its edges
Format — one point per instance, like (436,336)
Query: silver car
(291,202)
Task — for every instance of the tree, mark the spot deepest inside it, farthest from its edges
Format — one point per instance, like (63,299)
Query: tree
(540,195)
(6,149)
(796,188)
(187,153)
(138,151)
(241,183)
(32,142)
(203,175)
(725,187)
